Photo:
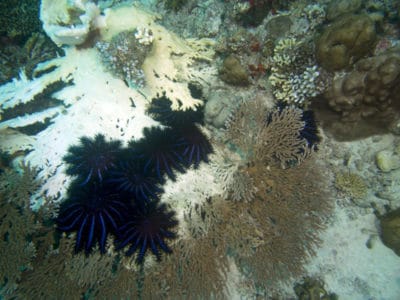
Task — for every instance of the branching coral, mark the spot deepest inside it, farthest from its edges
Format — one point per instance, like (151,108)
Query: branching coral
(295,76)
(276,172)
(17,226)
(280,134)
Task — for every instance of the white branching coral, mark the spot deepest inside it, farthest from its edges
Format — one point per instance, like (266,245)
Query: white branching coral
(92,100)
(95,102)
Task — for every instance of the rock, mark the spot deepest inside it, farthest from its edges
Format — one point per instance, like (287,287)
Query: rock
(233,72)
(278,26)
(218,108)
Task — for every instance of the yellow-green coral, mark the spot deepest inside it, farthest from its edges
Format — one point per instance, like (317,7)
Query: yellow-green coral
(351,184)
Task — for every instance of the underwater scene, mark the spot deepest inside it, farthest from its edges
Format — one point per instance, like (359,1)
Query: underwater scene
(200,149)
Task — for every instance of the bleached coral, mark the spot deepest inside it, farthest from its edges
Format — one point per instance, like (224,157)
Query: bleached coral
(70,22)
(93,100)
(202,185)
(144,36)
(172,62)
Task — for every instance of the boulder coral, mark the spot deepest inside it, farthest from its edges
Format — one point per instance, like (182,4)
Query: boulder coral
(390,230)
(367,90)
(346,40)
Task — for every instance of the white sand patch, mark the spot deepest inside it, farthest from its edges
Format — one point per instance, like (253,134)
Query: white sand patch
(348,267)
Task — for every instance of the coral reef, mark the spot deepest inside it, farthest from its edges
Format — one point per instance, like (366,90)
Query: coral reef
(242,231)
(346,40)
